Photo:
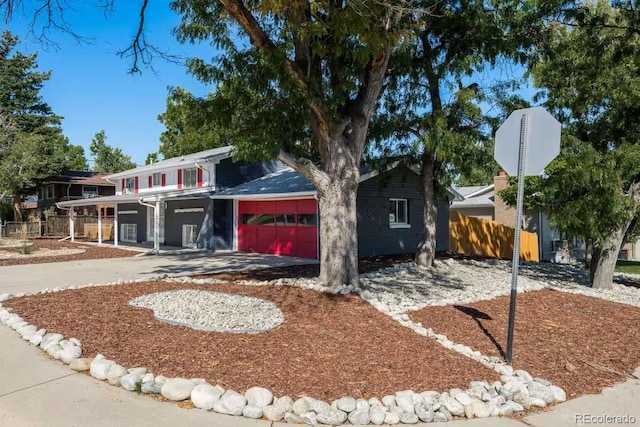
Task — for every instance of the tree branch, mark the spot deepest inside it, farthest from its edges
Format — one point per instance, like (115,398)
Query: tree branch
(306,168)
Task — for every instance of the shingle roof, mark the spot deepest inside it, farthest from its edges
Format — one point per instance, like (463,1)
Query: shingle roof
(82,177)
(283,181)
(465,191)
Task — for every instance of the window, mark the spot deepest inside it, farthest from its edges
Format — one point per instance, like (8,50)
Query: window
(129,186)
(189,235)
(286,220)
(129,232)
(157,180)
(51,192)
(189,178)
(398,216)
(89,191)
(307,220)
(266,219)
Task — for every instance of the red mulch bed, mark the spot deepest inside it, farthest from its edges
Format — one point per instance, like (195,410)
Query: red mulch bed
(328,347)
(90,252)
(579,343)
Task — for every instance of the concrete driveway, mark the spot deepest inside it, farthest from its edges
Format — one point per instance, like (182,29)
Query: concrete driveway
(40,392)
(33,277)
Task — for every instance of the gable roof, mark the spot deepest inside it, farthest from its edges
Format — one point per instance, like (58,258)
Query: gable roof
(213,155)
(475,196)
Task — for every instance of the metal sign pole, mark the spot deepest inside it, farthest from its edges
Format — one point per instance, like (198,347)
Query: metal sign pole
(522,158)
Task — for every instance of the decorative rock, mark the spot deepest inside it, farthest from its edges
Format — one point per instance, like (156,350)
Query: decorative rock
(444,411)
(463,398)
(278,409)
(389,401)
(524,375)
(537,402)
(332,417)
(203,396)
(177,389)
(258,396)
(139,371)
(362,404)
(359,417)
(70,353)
(408,418)
(151,387)
(454,407)
(27,332)
(100,367)
(542,381)
(148,377)
(430,396)
(391,418)
(454,392)
(292,418)
(346,404)
(376,415)
(522,400)
(439,417)
(309,418)
(49,340)
(301,406)
(75,341)
(404,400)
(480,410)
(250,411)
(115,373)
(559,394)
(468,411)
(320,405)
(424,411)
(230,403)
(128,381)
(54,351)
(81,365)
(537,390)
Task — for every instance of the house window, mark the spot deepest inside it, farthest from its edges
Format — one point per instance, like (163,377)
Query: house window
(157,179)
(51,192)
(129,186)
(89,191)
(398,213)
(129,232)
(307,220)
(189,178)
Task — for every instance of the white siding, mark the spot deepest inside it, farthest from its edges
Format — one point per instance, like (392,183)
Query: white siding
(208,178)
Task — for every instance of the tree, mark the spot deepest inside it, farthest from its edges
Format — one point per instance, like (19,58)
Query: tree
(433,111)
(151,158)
(30,130)
(107,158)
(590,78)
(68,156)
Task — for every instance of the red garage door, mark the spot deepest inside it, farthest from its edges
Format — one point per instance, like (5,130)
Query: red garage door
(288,227)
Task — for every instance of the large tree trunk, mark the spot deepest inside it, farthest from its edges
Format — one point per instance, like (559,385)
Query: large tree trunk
(18,213)
(338,235)
(426,251)
(604,258)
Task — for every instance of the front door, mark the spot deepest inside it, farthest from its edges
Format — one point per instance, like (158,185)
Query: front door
(150,223)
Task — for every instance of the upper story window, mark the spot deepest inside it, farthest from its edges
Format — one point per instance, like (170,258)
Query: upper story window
(189,178)
(157,179)
(398,213)
(89,191)
(129,186)
(50,192)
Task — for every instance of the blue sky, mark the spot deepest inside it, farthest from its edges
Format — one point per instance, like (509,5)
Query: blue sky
(90,85)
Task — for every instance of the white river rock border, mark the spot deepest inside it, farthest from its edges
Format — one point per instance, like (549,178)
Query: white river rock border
(516,390)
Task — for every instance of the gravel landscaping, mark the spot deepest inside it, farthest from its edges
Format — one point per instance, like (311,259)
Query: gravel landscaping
(51,250)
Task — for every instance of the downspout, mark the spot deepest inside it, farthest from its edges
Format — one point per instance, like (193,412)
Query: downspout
(70,219)
(156,243)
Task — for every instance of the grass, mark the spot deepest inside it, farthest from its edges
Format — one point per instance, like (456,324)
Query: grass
(631,267)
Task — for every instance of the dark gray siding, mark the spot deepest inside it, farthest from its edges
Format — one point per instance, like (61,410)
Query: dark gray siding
(139,218)
(223,224)
(230,173)
(375,237)
(173,222)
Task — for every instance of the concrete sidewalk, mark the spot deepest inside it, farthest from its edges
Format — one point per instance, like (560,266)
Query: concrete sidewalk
(38,391)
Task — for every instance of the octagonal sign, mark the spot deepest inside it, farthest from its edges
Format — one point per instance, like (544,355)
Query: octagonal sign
(542,135)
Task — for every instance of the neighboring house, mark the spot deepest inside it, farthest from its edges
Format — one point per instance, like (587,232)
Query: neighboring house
(485,202)
(70,185)
(206,200)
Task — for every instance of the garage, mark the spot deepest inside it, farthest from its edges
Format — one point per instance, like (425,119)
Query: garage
(281,227)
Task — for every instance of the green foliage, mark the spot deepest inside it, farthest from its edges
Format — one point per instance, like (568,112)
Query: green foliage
(6,210)
(69,157)
(151,158)
(107,158)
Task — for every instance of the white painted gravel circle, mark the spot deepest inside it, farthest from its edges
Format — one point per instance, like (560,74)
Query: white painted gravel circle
(212,311)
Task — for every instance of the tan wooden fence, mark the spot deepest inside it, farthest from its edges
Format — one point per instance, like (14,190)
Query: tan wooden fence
(58,226)
(481,237)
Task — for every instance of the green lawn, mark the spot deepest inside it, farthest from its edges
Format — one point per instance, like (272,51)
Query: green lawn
(632,267)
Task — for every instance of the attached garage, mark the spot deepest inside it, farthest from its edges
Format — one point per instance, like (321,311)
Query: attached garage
(280,227)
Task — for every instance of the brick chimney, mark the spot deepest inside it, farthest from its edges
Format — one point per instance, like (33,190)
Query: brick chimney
(503,213)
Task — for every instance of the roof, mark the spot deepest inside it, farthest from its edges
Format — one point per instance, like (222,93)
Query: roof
(135,198)
(475,197)
(214,154)
(81,177)
(283,182)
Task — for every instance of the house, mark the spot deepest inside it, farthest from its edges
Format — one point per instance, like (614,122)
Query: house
(70,185)
(206,200)
(485,202)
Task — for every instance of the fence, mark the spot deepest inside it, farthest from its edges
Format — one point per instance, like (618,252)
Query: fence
(481,237)
(58,226)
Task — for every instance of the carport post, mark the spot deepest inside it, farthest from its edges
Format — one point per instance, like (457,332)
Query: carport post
(115,225)
(99,225)
(72,231)
(156,227)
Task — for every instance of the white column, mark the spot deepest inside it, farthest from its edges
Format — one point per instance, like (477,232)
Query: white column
(72,231)
(115,225)
(99,225)
(156,227)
